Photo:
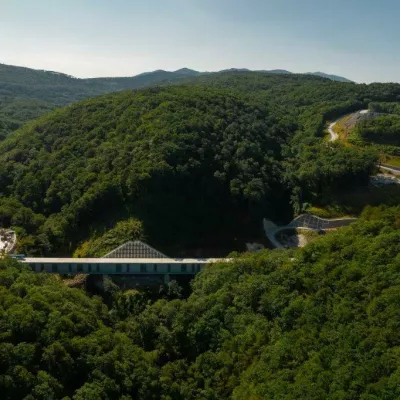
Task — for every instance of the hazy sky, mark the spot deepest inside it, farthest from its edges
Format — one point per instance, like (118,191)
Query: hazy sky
(90,38)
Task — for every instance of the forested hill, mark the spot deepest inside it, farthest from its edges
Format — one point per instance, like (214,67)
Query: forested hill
(199,164)
(60,89)
(26,93)
(319,323)
(331,77)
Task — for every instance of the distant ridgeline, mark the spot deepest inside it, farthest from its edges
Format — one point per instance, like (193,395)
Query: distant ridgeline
(191,168)
(26,94)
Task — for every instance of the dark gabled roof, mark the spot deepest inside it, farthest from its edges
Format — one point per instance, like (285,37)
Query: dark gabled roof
(135,249)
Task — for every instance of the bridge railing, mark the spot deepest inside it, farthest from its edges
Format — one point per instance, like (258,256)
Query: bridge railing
(122,266)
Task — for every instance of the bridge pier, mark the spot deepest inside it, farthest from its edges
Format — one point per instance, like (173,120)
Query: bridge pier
(167,278)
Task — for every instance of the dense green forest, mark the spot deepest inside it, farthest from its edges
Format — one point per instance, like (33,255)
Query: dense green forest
(192,166)
(26,94)
(61,89)
(317,323)
(15,111)
(385,108)
(198,165)
(381,131)
(167,156)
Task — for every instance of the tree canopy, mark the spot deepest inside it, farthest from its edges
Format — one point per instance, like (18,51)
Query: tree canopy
(381,130)
(218,151)
(315,323)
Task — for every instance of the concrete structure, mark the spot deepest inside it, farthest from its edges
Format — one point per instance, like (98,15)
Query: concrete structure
(384,180)
(119,266)
(306,222)
(390,168)
(133,259)
(136,249)
(309,221)
(8,241)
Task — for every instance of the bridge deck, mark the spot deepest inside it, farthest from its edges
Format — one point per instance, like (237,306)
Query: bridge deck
(133,266)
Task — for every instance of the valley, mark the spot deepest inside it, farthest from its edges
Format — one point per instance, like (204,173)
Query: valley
(199,166)
(199,200)
(223,151)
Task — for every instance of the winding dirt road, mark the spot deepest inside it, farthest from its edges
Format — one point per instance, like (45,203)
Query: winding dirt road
(334,135)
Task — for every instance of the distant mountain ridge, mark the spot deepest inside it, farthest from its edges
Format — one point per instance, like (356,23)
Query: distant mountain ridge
(191,72)
(4,68)
(331,77)
(27,93)
(187,71)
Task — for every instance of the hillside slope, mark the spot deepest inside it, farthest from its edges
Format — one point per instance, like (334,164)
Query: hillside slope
(37,91)
(199,165)
(331,77)
(181,159)
(40,91)
(319,323)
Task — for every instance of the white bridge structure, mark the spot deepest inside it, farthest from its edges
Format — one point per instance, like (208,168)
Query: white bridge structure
(132,258)
(112,266)
(306,222)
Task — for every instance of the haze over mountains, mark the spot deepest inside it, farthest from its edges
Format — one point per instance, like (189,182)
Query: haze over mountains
(182,72)
(284,71)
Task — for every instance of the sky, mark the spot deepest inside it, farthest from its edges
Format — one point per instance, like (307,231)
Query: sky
(91,38)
